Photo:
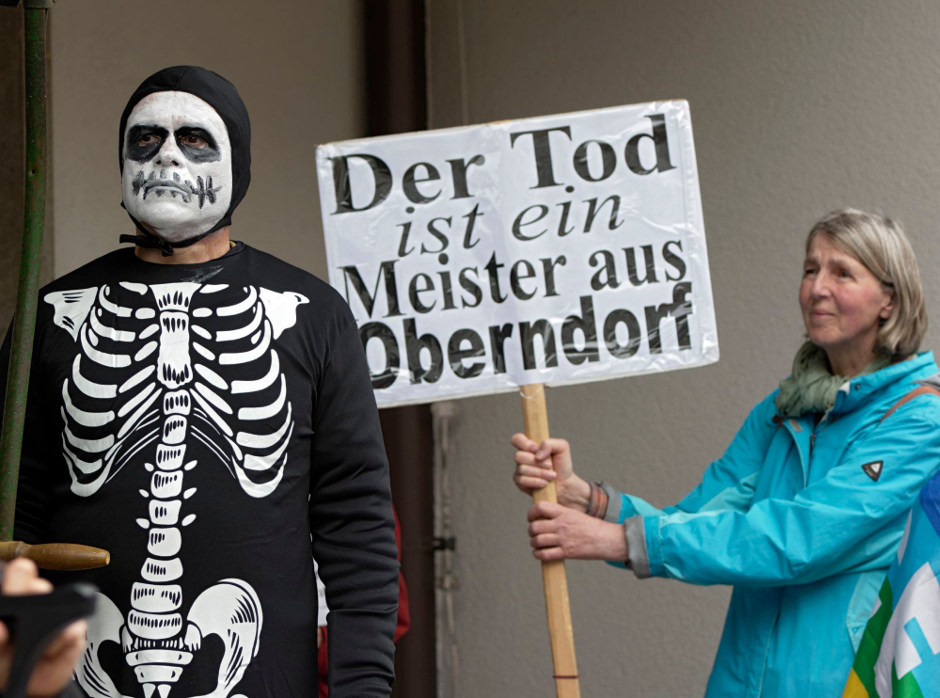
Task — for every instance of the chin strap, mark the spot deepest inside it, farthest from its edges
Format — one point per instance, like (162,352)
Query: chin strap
(147,239)
(150,241)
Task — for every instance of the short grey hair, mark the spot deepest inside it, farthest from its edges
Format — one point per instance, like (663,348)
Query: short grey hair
(882,246)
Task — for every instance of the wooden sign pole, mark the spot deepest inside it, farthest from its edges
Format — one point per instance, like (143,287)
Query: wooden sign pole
(557,606)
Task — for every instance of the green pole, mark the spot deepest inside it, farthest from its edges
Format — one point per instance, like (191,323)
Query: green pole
(24,324)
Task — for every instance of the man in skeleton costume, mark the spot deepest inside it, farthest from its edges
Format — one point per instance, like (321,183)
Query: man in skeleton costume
(204,411)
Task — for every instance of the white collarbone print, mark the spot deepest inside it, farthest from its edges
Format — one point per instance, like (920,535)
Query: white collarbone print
(161,367)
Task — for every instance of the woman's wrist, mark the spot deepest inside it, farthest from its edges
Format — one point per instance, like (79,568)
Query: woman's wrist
(574,493)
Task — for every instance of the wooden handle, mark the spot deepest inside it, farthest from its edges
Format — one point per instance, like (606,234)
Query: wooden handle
(557,606)
(57,556)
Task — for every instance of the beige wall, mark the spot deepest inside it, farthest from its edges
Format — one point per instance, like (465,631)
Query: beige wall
(797,108)
(12,165)
(298,66)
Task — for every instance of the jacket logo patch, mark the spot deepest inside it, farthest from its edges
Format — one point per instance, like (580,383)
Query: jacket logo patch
(873,469)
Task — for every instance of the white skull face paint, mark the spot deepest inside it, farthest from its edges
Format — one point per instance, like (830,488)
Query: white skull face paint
(177,176)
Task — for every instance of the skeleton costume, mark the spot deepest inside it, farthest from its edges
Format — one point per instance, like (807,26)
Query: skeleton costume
(205,423)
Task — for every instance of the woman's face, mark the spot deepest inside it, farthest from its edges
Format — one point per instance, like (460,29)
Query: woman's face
(843,305)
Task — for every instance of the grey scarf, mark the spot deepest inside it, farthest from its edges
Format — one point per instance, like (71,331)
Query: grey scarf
(812,387)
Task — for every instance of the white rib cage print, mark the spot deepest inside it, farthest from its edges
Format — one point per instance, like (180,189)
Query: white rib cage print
(160,367)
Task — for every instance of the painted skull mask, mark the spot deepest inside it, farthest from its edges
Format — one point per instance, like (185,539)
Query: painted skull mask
(177,177)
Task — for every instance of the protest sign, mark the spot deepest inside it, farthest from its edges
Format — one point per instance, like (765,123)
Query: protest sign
(519,254)
(552,250)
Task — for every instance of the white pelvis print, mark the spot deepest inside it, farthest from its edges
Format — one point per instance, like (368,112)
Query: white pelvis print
(153,373)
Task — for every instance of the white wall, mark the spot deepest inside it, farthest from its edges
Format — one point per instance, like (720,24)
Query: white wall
(298,66)
(798,108)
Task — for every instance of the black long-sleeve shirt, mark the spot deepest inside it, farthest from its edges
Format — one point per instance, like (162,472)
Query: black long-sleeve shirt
(206,424)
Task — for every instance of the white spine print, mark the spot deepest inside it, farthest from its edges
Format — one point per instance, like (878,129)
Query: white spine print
(152,390)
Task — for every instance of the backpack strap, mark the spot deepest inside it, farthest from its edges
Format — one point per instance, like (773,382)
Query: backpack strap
(923,389)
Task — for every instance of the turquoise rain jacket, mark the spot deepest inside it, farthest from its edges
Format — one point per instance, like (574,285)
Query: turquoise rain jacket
(803,518)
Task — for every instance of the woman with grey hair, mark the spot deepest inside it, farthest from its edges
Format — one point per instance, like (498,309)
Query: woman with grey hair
(804,511)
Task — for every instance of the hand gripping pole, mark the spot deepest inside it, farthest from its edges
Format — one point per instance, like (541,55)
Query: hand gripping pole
(557,606)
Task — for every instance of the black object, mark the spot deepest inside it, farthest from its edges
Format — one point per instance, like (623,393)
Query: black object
(440,544)
(9,3)
(34,622)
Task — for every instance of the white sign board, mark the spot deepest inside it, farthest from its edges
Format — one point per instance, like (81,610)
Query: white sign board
(558,249)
